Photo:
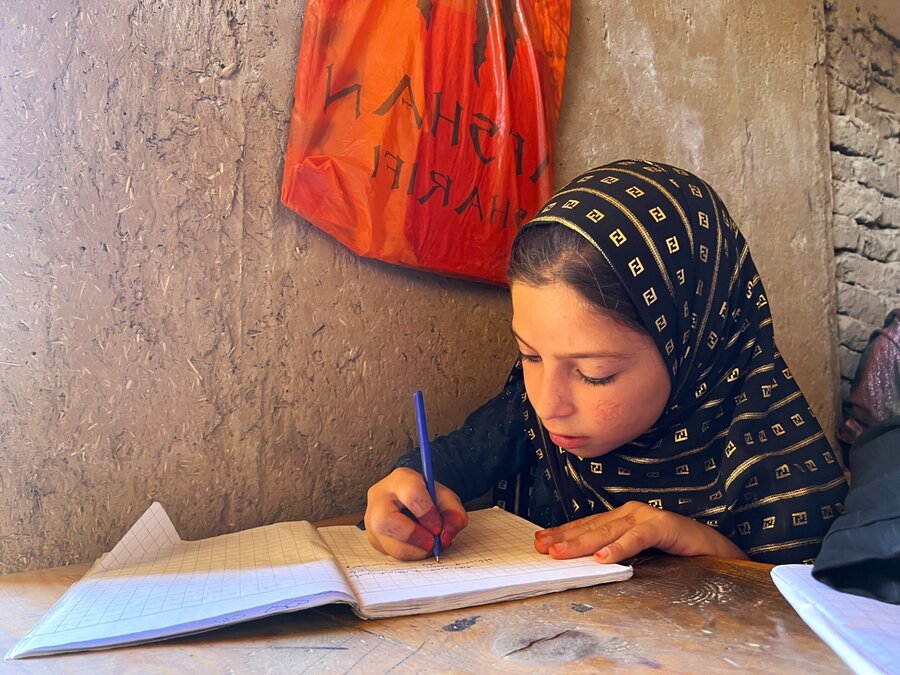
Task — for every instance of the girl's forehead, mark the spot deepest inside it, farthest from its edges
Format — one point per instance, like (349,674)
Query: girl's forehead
(553,297)
(559,314)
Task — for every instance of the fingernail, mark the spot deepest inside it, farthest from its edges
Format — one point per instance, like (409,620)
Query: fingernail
(603,553)
(558,548)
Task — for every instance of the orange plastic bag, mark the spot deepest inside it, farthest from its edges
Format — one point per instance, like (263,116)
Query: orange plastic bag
(422,131)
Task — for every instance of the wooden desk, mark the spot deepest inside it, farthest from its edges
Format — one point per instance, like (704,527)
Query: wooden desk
(682,615)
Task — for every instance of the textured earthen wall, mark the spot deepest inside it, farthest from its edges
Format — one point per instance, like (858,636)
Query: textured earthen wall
(864,104)
(168,331)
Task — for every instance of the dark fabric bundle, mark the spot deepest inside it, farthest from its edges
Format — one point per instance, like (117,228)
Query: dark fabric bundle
(861,552)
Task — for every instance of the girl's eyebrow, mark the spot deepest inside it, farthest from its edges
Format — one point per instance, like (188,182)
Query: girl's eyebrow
(578,355)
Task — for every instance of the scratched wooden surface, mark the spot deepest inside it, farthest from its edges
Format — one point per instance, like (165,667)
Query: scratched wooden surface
(675,614)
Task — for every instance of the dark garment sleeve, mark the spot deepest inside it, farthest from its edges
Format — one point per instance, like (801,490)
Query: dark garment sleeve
(490,445)
(861,552)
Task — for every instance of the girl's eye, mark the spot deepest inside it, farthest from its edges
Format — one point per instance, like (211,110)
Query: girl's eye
(529,358)
(596,381)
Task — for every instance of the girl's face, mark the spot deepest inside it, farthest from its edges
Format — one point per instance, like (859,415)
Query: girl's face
(594,383)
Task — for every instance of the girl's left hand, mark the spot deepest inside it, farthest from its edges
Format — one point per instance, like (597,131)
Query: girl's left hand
(629,529)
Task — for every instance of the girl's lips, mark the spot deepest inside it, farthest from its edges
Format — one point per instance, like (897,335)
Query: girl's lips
(569,442)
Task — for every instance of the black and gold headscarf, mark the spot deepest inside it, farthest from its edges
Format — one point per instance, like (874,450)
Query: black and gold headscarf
(737,446)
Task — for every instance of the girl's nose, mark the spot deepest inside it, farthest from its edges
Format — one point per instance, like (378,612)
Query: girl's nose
(549,397)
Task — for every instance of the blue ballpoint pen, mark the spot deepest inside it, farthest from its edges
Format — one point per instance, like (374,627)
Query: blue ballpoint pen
(427,471)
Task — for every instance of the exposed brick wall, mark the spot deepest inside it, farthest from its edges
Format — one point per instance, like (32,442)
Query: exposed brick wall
(863,48)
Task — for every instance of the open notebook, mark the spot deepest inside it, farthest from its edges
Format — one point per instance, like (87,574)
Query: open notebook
(154,585)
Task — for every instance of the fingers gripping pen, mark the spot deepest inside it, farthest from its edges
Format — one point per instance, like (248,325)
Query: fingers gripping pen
(427,471)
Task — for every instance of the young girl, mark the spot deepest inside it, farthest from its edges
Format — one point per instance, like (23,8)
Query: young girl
(650,406)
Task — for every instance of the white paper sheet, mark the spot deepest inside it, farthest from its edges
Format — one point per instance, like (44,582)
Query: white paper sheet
(864,632)
(493,559)
(154,585)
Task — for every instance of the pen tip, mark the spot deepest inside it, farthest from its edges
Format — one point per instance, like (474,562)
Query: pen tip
(437,558)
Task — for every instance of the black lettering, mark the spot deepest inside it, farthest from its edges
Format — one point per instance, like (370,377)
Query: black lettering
(495,211)
(473,199)
(403,84)
(396,167)
(438,117)
(346,91)
(519,150)
(521,214)
(475,129)
(540,169)
(438,186)
(412,178)
(377,160)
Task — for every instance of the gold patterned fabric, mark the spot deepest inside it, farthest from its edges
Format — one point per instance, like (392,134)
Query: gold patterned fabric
(737,446)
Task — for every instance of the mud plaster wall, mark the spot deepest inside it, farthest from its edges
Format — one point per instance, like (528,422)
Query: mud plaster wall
(169,332)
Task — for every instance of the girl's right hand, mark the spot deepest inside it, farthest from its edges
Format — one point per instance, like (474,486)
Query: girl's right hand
(393,532)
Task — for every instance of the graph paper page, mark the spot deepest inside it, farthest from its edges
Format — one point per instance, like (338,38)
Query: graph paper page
(153,585)
(864,632)
(492,559)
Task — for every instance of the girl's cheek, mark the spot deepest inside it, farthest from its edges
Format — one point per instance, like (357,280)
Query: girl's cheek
(602,407)
(617,422)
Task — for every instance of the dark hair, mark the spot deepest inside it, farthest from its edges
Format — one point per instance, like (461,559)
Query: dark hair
(548,253)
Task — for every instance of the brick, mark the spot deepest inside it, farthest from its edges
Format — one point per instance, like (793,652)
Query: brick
(855,269)
(857,201)
(890,153)
(853,333)
(890,213)
(854,135)
(842,167)
(862,304)
(865,204)
(874,174)
(840,96)
(874,108)
(867,171)
(880,245)
(881,52)
(846,237)
(849,360)
(848,67)
(844,221)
